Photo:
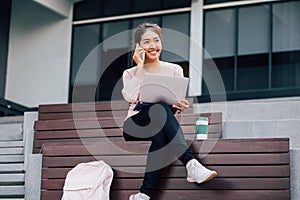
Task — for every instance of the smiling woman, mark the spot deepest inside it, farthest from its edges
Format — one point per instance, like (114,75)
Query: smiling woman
(156,122)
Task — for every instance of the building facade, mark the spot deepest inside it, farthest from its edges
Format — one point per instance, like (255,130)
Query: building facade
(253,45)
(242,57)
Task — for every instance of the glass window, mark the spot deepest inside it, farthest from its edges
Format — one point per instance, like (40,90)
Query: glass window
(87,9)
(144,6)
(109,62)
(253,47)
(286,45)
(85,39)
(216,1)
(169,4)
(225,66)
(266,62)
(254,30)
(116,7)
(116,41)
(286,69)
(252,72)
(220,33)
(176,37)
(112,28)
(286,28)
(219,42)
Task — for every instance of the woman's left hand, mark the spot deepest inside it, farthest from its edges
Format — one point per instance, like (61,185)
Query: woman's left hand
(181,105)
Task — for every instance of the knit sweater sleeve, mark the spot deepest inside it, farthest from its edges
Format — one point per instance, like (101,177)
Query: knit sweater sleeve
(131,86)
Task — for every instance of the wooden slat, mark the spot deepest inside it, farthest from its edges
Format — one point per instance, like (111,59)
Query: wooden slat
(192,194)
(92,114)
(181,183)
(140,160)
(111,132)
(70,115)
(79,140)
(67,124)
(198,146)
(88,106)
(180,171)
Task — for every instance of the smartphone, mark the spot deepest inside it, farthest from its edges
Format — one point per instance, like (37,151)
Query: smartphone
(142,55)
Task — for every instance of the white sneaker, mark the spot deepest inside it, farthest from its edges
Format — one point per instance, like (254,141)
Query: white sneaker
(198,173)
(139,196)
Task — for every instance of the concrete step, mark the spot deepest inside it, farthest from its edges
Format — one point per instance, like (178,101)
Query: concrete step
(11,159)
(12,151)
(10,191)
(5,168)
(6,144)
(12,199)
(264,129)
(11,132)
(12,173)
(12,179)
(12,120)
(248,110)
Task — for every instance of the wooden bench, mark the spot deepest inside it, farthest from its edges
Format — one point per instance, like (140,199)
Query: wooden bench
(101,121)
(248,168)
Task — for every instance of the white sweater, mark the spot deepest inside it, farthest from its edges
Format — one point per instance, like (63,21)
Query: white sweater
(131,83)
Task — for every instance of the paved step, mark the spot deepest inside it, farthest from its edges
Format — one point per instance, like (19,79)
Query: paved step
(264,129)
(249,110)
(11,158)
(19,167)
(6,144)
(12,173)
(12,179)
(278,117)
(11,132)
(12,151)
(12,199)
(10,191)
(11,120)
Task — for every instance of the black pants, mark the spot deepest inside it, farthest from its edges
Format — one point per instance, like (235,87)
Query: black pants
(158,124)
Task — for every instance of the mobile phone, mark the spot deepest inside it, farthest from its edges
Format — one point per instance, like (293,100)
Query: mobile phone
(142,55)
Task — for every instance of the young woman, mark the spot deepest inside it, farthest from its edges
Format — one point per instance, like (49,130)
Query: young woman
(156,122)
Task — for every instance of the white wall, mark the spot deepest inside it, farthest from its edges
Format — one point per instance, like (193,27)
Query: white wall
(39,54)
(61,7)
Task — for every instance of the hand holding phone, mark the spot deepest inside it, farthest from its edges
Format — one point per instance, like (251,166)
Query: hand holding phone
(139,55)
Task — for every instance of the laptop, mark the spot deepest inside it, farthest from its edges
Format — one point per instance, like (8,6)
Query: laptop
(161,88)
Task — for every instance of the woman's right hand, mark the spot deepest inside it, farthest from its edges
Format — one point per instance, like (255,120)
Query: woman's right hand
(139,55)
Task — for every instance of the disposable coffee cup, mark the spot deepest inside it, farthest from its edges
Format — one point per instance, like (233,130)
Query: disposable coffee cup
(201,128)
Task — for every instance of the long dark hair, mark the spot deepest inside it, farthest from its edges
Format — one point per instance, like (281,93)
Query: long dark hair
(142,28)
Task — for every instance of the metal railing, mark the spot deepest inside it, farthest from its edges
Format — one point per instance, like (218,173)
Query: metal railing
(8,108)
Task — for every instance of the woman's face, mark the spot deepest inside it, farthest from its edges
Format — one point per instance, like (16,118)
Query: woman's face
(151,43)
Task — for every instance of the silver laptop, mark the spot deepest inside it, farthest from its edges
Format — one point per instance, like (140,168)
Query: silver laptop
(161,88)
